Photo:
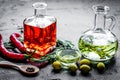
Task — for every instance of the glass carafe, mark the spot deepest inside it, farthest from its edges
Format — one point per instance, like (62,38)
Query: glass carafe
(99,43)
(40,31)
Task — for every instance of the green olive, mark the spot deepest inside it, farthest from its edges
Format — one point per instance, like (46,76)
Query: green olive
(57,65)
(85,61)
(101,66)
(73,67)
(85,68)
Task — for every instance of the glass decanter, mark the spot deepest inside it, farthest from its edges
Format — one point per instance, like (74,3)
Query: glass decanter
(40,31)
(99,43)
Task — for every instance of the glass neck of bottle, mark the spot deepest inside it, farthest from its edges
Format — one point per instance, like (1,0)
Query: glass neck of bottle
(40,12)
(40,9)
(99,22)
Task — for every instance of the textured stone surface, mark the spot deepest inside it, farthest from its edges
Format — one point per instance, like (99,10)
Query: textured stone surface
(73,18)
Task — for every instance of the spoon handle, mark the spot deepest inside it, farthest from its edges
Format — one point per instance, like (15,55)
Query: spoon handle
(7,64)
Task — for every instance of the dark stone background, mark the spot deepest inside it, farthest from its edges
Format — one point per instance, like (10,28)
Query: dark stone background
(73,18)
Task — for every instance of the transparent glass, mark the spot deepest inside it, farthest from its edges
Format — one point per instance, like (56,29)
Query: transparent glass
(40,31)
(99,43)
(68,57)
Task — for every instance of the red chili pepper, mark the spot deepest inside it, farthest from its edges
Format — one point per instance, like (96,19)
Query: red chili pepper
(11,55)
(16,42)
(38,64)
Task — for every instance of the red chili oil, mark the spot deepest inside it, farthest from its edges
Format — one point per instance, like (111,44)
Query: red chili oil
(43,40)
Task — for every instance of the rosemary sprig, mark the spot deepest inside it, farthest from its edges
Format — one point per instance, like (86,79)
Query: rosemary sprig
(9,45)
(61,44)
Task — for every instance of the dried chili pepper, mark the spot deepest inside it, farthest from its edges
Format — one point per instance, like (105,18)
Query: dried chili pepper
(16,42)
(11,55)
(38,64)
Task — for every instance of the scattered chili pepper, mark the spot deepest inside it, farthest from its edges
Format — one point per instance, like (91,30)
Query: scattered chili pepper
(11,55)
(16,42)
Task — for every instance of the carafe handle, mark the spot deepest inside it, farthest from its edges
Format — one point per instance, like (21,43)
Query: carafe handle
(113,22)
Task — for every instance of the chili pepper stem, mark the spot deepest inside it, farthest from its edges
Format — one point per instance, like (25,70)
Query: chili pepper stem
(27,56)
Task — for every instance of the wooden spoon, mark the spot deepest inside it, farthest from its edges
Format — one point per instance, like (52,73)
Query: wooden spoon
(23,68)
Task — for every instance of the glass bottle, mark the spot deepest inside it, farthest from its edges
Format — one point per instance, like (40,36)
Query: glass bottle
(40,31)
(99,43)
